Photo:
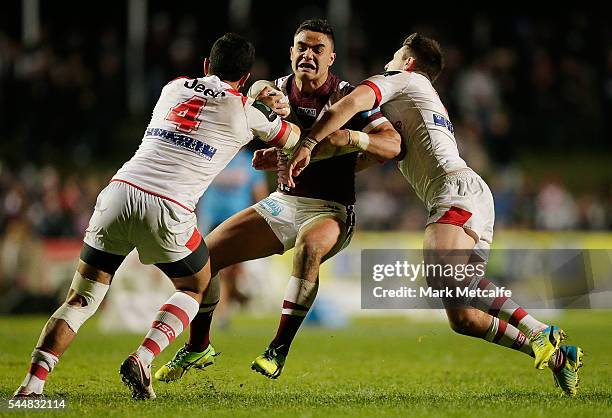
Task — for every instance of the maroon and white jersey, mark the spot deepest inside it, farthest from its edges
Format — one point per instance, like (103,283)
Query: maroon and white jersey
(334,178)
(413,106)
(198,126)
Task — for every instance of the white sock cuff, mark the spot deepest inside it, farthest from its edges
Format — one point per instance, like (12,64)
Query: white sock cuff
(492,331)
(301,292)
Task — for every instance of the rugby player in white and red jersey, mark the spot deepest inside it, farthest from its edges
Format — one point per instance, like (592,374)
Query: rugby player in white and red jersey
(459,202)
(197,127)
(315,216)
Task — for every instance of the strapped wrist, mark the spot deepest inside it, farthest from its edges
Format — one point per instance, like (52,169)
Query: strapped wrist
(309,143)
(358,139)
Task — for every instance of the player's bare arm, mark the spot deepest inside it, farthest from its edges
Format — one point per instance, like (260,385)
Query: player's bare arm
(361,99)
(383,142)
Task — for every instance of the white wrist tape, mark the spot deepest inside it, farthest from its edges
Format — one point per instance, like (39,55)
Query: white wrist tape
(292,139)
(359,140)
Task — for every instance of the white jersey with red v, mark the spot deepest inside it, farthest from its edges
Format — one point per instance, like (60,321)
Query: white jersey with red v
(198,125)
(410,102)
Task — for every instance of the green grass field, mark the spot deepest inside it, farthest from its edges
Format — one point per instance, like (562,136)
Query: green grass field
(376,367)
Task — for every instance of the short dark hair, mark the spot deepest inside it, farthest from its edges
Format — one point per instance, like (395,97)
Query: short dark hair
(231,57)
(317,25)
(427,53)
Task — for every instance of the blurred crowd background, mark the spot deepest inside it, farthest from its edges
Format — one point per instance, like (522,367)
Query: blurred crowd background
(530,98)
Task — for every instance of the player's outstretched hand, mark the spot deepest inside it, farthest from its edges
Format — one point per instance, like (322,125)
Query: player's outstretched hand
(275,100)
(265,159)
(300,160)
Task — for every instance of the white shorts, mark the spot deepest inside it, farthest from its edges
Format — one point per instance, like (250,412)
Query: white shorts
(287,215)
(126,217)
(465,200)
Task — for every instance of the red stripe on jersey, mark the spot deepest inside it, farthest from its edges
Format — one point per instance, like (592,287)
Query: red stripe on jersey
(501,330)
(455,216)
(152,193)
(152,346)
(244,100)
(195,240)
(376,91)
(38,371)
(279,135)
(178,312)
(375,116)
(234,92)
(516,317)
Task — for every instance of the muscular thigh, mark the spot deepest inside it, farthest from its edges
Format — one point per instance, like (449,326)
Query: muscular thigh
(448,237)
(325,233)
(444,245)
(317,241)
(244,236)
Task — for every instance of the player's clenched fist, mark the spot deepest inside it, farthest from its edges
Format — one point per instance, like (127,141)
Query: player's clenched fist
(275,100)
(265,159)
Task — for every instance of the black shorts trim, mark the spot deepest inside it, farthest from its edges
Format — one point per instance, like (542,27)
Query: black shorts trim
(187,266)
(107,262)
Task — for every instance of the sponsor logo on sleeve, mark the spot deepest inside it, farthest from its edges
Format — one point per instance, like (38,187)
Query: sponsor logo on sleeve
(440,120)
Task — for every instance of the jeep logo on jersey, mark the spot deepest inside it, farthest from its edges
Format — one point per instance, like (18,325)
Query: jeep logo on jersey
(268,113)
(201,88)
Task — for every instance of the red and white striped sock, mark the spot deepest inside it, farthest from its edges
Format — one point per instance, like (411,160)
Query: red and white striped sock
(43,362)
(504,334)
(505,308)
(299,297)
(173,317)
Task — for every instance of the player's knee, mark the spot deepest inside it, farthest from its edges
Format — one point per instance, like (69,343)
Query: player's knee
(84,300)
(310,251)
(76,300)
(192,285)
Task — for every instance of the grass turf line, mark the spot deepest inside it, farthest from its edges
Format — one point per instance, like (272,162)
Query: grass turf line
(375,367)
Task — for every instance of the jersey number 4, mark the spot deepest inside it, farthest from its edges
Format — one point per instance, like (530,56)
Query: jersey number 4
(185,115)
